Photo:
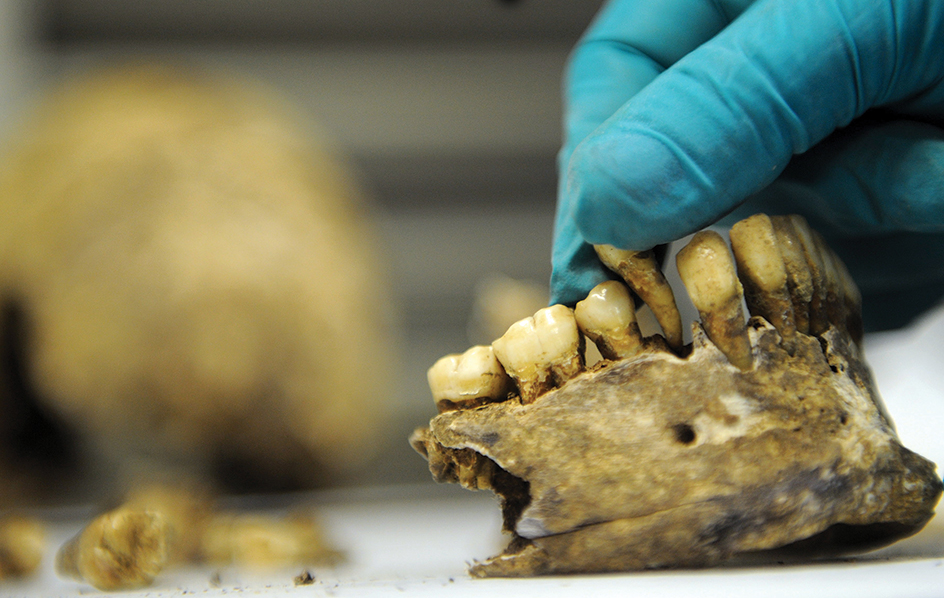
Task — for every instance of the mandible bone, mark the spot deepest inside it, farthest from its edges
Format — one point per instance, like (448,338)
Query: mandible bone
(664,457)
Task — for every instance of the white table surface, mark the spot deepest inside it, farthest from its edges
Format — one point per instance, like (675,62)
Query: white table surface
(416,541)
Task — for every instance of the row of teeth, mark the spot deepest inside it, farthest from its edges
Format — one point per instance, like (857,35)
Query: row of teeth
(781,268)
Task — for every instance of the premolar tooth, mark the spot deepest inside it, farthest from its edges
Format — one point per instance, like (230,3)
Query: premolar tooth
(542,351)
(707,270)
(608,318)
(461,381)
(641,272)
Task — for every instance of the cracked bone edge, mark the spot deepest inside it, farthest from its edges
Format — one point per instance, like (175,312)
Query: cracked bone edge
(641,272)
(608,318)
(121,549)
(541,351)
(470,379)
(22,545)
(707,270)
(761,269)
(819,312)
(799,278)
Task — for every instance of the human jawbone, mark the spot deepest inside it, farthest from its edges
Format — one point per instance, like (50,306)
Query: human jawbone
(764,433)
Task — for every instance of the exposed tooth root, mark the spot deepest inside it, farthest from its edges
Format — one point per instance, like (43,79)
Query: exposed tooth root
(762,271)
(542,351)
(641,272)
(468,380)
(799,279)
(819,317)
(608,318)
(707,270)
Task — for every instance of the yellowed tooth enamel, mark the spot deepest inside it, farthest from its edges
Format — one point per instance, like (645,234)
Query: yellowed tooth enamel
(608,318)
(761,268)
(542,351)
(707,270)
(641,272)
(470,379)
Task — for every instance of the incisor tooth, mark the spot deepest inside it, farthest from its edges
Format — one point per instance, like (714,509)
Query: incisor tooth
(467,380)
(608,318)
(542,351)
(707,270)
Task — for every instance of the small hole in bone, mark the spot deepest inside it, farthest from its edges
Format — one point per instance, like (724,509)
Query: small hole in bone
(843,418)
(684,434)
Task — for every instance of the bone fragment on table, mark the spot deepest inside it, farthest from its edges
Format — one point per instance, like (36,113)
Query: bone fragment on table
(542,351)
(707,270)
(259,541)
(122,549)
(22,545)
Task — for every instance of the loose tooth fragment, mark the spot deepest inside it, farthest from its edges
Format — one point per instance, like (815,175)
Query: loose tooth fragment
(762,271)
(22,544)
(542,351)
(707,270)
(608,318)
(122,549)
(262,542)
(468,380)
(641,272)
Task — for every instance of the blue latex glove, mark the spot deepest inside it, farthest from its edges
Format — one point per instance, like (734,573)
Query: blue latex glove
(680,112)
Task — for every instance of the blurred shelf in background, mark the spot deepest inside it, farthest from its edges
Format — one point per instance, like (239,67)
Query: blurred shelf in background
(450,110)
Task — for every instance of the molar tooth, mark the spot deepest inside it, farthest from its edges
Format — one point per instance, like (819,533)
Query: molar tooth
(707,270)
(819,319)
(799,278)
(608,318)
(844,302)
(541,351)
(468,380)
(641,272)
(761,269)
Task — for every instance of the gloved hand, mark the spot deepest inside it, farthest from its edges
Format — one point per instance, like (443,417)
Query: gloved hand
(680,112)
